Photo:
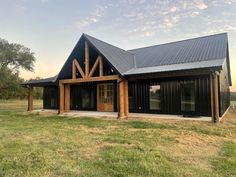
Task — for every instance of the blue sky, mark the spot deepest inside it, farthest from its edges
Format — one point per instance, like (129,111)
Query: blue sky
(52,27)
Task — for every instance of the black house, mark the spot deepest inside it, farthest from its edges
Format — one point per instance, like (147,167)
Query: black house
(189,77)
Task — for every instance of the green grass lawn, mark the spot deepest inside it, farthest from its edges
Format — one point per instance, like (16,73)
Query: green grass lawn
(51,145)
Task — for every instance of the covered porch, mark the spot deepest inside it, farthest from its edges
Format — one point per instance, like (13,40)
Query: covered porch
(101,94)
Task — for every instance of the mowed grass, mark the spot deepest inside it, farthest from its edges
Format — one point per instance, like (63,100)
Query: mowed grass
(50,145)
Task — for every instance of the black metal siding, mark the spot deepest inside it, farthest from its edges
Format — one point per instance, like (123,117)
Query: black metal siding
(170,95)
(50,93)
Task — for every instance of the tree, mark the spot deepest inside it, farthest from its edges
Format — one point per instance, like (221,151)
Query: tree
(15,56)
(12,58)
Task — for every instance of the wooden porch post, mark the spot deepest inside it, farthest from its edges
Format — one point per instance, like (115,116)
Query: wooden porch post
(62,98)
(123,99)
(126,94)
(212,98)
(214,89)
(67,98)
(30,98)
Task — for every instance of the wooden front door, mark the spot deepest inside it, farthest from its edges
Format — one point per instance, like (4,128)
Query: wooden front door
(105,97)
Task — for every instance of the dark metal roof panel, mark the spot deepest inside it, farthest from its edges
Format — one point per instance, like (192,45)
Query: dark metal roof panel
(122,60)
(191,50)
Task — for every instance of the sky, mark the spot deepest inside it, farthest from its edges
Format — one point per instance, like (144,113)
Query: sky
(51,28)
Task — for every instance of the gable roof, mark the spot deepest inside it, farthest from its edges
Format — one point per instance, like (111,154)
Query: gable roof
(122,60)
(203,52)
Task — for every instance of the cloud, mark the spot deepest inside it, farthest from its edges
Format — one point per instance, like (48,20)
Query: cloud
(201,5)
(169,22)
(142,18)
(91,19)
(166,14)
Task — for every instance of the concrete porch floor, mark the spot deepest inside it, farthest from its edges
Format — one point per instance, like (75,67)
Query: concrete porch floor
(115,115)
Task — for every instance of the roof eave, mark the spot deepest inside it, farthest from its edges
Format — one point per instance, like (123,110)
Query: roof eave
(210,69)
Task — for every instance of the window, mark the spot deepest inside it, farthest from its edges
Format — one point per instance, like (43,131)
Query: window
(187,97)
(155,97)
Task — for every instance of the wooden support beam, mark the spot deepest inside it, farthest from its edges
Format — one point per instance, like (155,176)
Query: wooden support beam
(77,65)
(212,98)
(101,67)
(214,89)
(67,98)
(216,92)
(90,79)
(94,66)
(30,98)
(126,99)
(86,59)
(121,100)
(62,98)
(74,69)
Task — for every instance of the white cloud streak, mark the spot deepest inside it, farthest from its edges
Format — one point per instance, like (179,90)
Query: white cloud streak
(91,19)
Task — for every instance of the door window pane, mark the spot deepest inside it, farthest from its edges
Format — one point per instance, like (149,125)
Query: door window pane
(109,93)
(187,97)
(154,97)
(101,93)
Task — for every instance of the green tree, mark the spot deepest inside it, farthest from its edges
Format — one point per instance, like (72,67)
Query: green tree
(13,57)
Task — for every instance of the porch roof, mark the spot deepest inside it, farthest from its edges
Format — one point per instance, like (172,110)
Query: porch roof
(42,82)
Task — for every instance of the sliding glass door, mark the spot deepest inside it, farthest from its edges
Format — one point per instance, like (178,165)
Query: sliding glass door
(83,97)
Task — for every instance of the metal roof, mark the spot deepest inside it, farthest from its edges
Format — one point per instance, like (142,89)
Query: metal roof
(122,60)
(191,50)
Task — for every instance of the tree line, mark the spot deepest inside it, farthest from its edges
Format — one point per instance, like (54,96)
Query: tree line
(14,57)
